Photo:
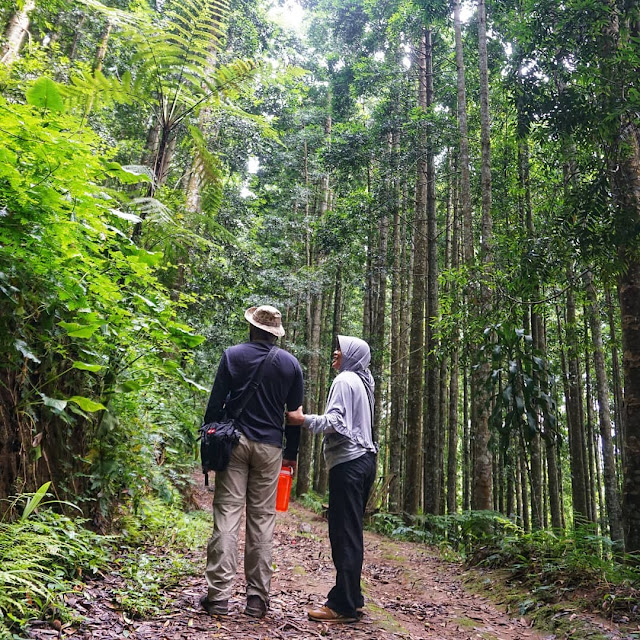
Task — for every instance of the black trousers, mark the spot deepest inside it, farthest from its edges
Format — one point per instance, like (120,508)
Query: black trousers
(349,487)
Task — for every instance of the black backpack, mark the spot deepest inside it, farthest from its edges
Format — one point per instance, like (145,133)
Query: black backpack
(217,439)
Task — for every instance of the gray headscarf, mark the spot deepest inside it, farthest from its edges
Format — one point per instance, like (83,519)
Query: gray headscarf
(356,357)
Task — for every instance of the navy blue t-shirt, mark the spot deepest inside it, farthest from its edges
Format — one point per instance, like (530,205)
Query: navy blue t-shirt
(263,417)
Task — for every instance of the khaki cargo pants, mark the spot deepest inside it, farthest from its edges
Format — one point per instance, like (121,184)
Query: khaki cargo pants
(252,475)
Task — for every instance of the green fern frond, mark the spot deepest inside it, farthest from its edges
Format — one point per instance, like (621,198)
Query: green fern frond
(174,63)
(85,87)
(212,199)
(140,171)
(210,162)
(152,210)
(211,171)
(231,78)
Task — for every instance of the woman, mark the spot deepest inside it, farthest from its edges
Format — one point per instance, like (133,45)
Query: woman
(350,455)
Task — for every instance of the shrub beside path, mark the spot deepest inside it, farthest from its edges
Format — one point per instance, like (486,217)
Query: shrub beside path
(411,593)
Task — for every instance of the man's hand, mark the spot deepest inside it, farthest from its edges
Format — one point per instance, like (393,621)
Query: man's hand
(295,417)
(290,463)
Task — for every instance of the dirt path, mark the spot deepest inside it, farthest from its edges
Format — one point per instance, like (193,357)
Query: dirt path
(410,593)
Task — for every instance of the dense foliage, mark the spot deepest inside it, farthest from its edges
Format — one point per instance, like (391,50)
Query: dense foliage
(455,182)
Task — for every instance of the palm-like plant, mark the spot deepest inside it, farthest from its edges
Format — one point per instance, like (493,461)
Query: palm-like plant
(176,74)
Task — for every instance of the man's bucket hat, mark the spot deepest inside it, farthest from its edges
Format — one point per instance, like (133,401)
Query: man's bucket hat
(266,318)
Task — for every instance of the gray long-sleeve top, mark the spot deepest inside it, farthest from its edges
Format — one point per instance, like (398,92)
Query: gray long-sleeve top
(346,422)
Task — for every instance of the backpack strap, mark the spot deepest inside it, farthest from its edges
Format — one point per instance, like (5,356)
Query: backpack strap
(255,382)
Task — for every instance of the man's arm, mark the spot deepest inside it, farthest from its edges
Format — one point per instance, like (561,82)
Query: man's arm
(290,453)
(292,432)
(219,392)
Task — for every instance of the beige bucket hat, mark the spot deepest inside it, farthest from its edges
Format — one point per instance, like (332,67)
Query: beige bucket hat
(266,318)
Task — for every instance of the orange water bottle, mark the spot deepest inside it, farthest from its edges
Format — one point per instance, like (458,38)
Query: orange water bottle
(284,488)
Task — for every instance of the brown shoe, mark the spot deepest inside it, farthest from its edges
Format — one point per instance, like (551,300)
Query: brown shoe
(324,614)
(256,607)
(215,607)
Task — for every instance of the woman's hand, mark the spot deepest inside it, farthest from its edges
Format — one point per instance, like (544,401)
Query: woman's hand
(295,417)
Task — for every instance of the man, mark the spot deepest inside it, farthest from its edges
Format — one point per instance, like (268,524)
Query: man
(252,474)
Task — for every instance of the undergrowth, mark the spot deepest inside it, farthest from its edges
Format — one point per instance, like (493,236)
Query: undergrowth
(313,502)
(153,555)
(461,532)
(43,555)
(554,566)
(550,566)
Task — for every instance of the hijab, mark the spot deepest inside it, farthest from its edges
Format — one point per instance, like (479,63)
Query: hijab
(356,357)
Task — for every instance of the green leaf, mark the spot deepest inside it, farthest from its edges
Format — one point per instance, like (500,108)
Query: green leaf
(84,332)
(189,339)
(85,366)
(44,93)
(53,403)
(148,257)
(34,501)
(128,386)
(77,330)
(87,404)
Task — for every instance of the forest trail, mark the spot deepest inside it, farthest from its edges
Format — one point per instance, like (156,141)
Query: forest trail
(410,594)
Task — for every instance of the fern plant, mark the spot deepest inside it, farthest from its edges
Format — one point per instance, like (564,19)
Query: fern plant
(42,554)
(175,75)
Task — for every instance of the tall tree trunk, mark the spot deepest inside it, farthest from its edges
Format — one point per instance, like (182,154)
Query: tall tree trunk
(305,466)
(624,164)
(319,471)
(589,430)
(452,449)
(16,31)
(467,235)
(629,283)
(577,443)
(454,383)
(73,50)
(511,511)
(482,459)
(317,302)
(413,474)
(610,481)
(164,144)
(536,331)
(99,60)
(621,142)
(323,476)
(433,448)
(524,486)
(370,284)
(553,478)
(396,424)
(379,312)
(305,454)
(617,383)
(102,48)
(466,444)
(465,181)
(550,437)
